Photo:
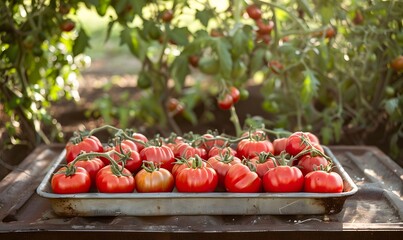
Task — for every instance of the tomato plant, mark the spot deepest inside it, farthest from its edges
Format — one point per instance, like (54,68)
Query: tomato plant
(115,179)
(154,179)
(283,179)
(241,179)
(71,180)
(323,182)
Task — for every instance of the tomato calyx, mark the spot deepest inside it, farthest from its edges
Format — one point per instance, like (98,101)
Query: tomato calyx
(150,166)
(265,156)
(249,164)
(226,158)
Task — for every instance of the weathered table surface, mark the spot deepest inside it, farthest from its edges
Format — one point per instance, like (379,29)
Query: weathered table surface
(375,211)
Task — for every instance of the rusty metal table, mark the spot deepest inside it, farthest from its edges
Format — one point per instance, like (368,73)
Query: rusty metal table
(375,211)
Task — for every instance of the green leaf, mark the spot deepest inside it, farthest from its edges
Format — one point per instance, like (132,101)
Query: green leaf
(136,45)
(326,134)
(179,35)
(102,6)
(310,86)
(109,30)
(257,60)
(81,43)
(179,71)
(138,6)
(224,59)
(305,6)
(204,16)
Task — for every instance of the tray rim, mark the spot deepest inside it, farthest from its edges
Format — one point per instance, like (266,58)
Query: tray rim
(135,195)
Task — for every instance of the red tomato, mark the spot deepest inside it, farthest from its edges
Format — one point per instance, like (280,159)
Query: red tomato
(323,182)
(67,25)
(283,179)
(160,155)
(264,28)
(184,163)
(167,16)
(142,138)
(184,150)
(279,145)
(151,179)
(312,137)
(310,163)
(63,182)
(241,179)
(133,162)
(209,142)
(221,151)
(87,144)
(258,135)
(221,164)
(248,148)
(397,63)
(109,182)
(254,12)
(197,178)
(225,102)
(235,94)
(92,165)
(275,66)
(263,162)
(194,60)
(297,142)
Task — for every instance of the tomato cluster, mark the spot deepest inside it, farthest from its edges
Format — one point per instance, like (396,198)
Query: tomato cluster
(197,163)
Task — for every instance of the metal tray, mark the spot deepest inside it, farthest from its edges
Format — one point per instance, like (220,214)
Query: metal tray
(216,203)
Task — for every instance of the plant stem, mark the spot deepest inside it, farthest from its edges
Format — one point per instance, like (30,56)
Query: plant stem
(235,120)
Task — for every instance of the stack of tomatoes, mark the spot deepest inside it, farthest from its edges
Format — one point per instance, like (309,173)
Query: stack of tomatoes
(199,163)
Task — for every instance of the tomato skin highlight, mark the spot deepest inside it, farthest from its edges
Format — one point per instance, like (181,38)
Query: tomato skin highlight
(108,182)
(283,179)
(79,182)
(279,145)
(159,180)
(240,179)
(201,179)
(323,182)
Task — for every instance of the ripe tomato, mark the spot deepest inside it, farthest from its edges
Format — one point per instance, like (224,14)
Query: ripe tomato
(297,142)
(283,179)
(142,138)
(160,155)
(167,16)
(214,151)
(71,180)
(323,182)
(127,147)
(110,180)
(310,163)
(225,102)
(264,28)
(249,148)
(235,94)
(87,144)
(241,179)
(275,66)
(209,141)
(221,164)
(358,18)
(397,63)
(258,135)
(263,162)
(67,25)
(92,165)
(254,12)
(184,150)
(197,178)
(279,145)
(151,179)
(174,106)
(194,60)
(184,163)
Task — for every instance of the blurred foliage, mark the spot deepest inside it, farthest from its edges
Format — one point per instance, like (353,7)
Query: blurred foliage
(323,66)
